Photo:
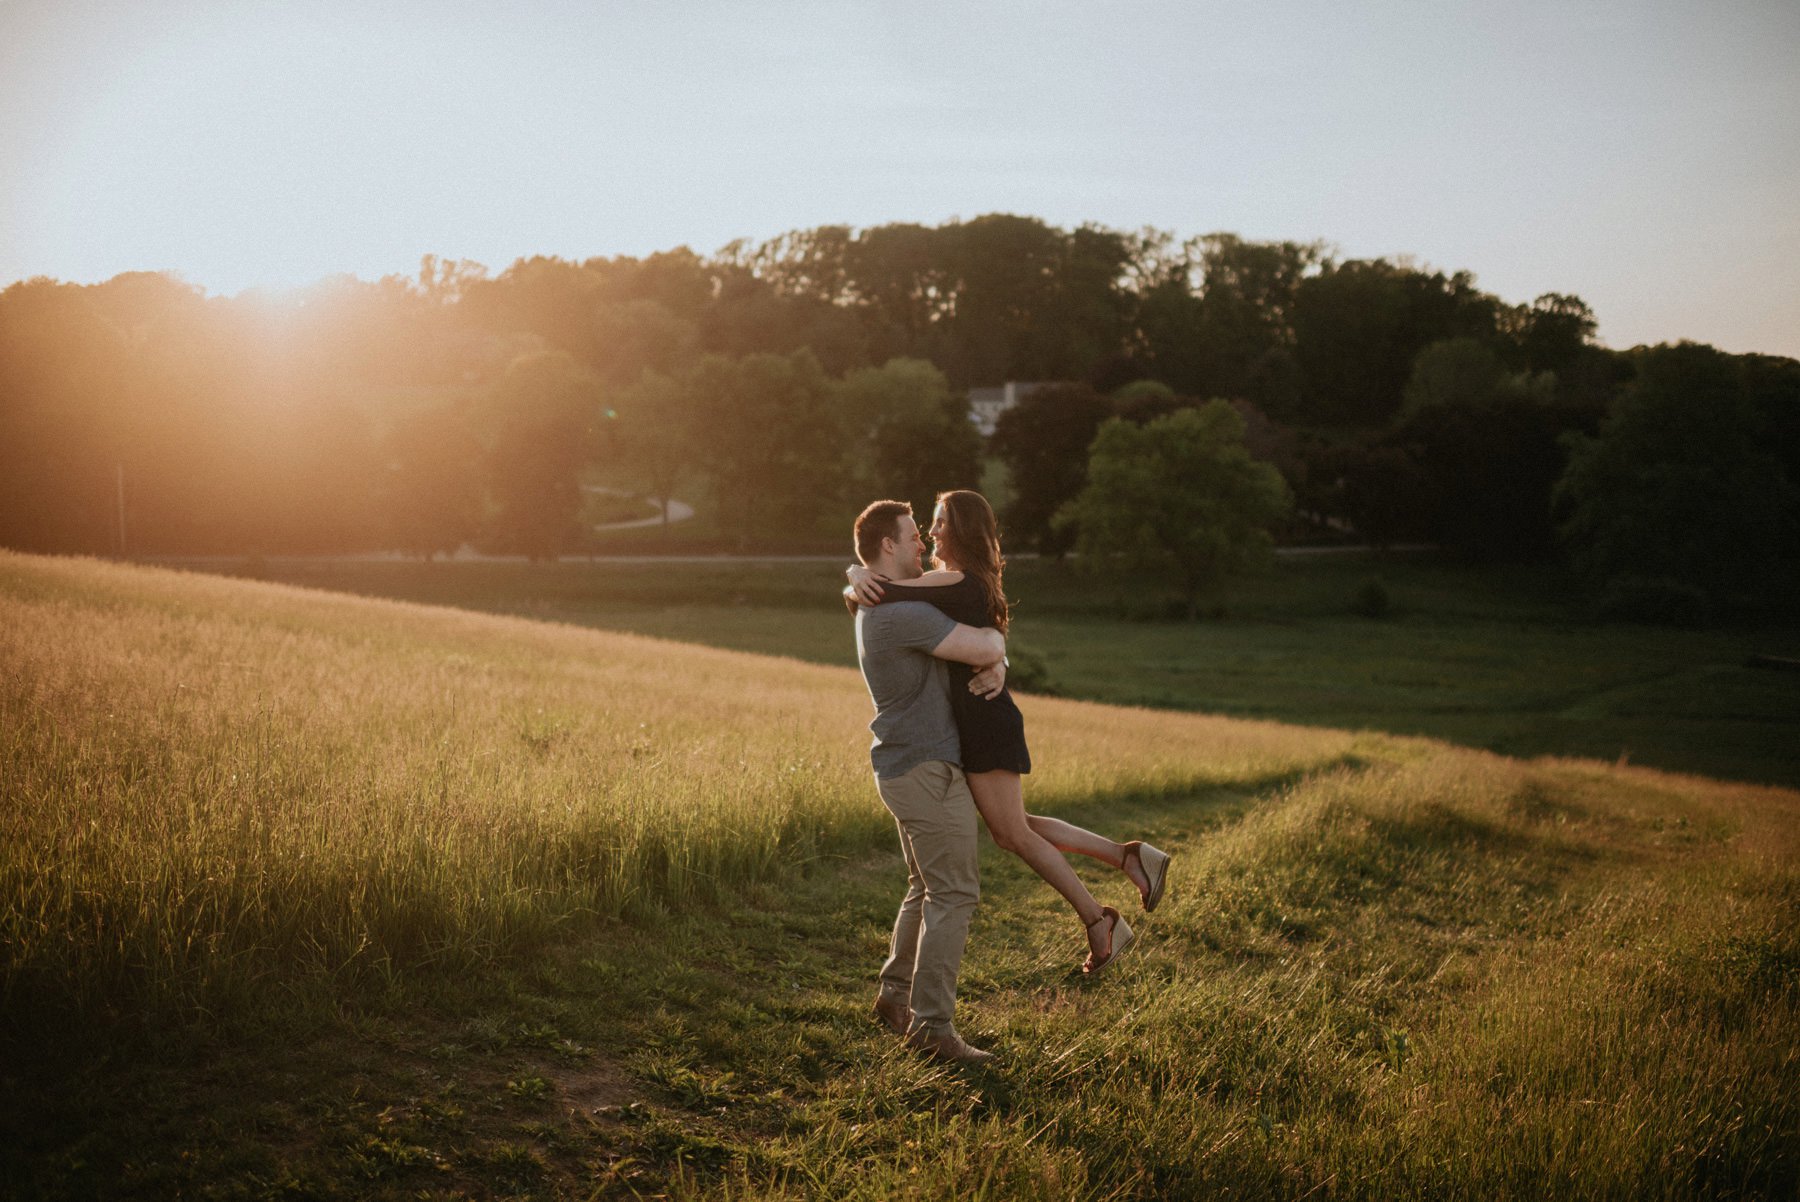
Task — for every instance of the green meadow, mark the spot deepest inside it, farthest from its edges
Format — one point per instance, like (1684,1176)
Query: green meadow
(311,895)
(1506,659)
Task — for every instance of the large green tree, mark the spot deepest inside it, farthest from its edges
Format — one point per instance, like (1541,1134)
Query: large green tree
(1180,496)
(1555,332)
(1375,486)
(767,434)
(1005,270)
(636,336)
(1359,325)
(1043,442)
(1772,385)
(909,431)
(543,416)
(900,283)
(543,295)
(752,314)
(64,433)
(1486,442)
(431,484)
(656,420)
(1243,333)
(1678,492)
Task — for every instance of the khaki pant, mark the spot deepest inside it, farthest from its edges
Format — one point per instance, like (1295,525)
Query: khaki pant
(937,821)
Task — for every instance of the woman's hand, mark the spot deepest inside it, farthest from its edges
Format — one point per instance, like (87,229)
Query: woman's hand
(987,683)
(865,585)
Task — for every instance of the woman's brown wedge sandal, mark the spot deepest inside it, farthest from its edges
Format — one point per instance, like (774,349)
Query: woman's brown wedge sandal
(1121,937)
(1153,864)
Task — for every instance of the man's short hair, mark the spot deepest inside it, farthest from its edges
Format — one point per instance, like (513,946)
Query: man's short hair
(880,520)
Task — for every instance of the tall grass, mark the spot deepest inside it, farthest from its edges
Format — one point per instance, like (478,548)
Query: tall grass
(1386,968)
(216,792)
(1452,976)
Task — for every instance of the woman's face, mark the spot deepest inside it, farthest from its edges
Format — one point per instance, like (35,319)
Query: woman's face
(940,533)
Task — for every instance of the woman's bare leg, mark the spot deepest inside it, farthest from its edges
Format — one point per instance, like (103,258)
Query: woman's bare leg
(1067,837)
(1000,796)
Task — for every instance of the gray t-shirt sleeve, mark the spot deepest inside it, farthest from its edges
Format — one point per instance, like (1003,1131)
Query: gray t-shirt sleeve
(905,625)
(911,688)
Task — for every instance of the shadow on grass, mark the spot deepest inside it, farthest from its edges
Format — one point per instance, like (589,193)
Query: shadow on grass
(731,1042)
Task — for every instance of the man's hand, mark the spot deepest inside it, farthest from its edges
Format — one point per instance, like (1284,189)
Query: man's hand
(987,682)
(865,585)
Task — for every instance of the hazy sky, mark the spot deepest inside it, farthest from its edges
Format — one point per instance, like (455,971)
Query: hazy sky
(1643,155)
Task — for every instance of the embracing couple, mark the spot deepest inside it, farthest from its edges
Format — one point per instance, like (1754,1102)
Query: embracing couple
(949,746)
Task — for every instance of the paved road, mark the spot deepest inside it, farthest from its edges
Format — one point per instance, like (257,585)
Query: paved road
(678,511)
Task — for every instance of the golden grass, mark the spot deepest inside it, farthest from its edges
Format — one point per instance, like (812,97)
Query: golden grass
(1445,975)
(212,786)
(1389,968)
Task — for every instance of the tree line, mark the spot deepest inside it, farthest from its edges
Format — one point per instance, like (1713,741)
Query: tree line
(791,378)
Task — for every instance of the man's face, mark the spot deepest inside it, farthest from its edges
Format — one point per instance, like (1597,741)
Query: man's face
(908,546)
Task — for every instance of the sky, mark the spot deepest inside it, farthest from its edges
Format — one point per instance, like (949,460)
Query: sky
(1644,156)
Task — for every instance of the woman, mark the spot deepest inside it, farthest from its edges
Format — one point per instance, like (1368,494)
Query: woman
(965,584)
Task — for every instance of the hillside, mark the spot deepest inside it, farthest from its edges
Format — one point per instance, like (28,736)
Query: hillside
(459,903)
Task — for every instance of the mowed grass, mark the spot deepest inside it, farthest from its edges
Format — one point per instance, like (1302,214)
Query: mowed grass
(314,895)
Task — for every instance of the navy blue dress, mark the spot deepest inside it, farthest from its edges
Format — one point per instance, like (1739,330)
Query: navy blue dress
(992,733)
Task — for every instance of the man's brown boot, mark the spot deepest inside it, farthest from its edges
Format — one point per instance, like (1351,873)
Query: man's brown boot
(947,1045)
(893,1013)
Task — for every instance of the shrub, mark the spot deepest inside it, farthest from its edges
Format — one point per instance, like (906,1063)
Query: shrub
(1028,671)
(1372,599)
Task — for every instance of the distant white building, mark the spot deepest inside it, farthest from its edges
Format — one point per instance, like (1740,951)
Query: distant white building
(987,404)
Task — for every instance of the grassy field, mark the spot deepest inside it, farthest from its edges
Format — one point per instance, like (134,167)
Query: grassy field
(1501,659)
(312,895)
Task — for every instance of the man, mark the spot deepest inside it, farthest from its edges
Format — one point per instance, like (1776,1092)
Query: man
(902,647)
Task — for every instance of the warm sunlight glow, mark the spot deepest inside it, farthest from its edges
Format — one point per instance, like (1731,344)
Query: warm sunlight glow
(303,145)
(269,145)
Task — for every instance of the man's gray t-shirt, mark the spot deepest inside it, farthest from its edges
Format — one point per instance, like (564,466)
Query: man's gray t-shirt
(910,688)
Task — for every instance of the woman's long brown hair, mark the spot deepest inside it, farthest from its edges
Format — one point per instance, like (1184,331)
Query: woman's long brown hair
(974,538)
